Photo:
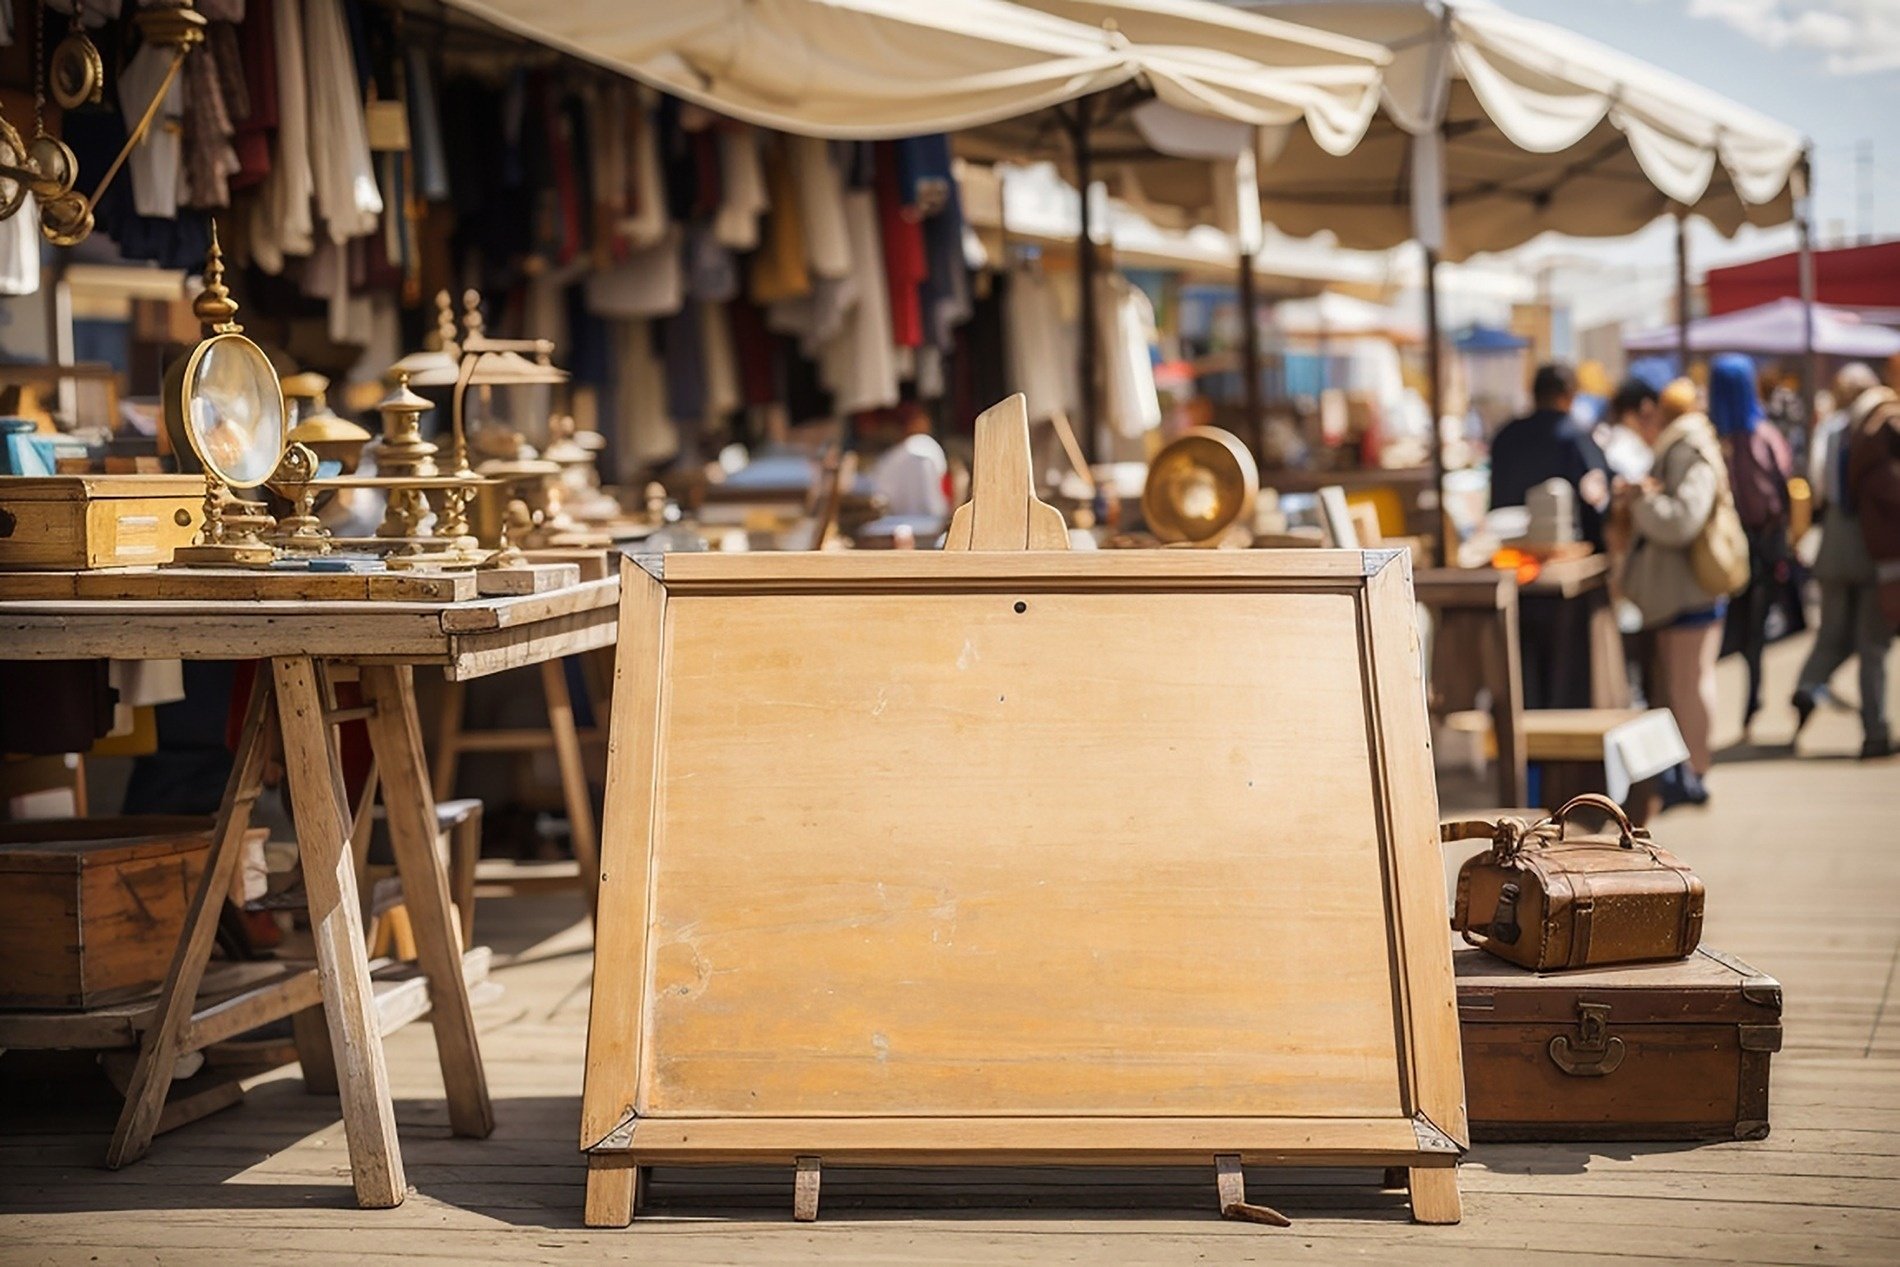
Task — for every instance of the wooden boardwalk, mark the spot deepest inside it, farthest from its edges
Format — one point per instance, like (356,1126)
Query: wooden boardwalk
(1802,862)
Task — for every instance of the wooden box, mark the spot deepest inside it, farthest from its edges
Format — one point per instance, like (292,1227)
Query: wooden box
(69,522)
(1661,1051)
(90,909)
(1006,856)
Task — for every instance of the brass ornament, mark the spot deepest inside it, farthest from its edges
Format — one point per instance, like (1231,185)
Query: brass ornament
(1200,486)
(77,71)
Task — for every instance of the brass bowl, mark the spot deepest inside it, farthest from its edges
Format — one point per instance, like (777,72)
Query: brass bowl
(1199,486)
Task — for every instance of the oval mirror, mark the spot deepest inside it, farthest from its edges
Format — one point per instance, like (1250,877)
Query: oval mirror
(233,410)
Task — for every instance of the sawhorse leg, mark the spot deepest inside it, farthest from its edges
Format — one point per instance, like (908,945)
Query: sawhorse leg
(162,1042)
(396,737)
(574,788)
(336,925)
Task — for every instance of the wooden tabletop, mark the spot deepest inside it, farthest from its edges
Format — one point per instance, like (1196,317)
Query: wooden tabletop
(468,639)
(1567,578)
(1486,587)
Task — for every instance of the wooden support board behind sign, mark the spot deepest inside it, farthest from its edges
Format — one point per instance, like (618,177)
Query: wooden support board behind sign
(1021,856)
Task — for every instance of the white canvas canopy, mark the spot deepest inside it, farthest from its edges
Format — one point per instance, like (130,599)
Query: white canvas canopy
(891,68)
(1523,127)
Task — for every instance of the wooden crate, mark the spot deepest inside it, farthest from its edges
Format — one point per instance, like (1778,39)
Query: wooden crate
(91,908)
(97,521)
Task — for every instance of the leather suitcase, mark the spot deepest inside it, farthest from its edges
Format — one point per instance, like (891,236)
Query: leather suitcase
(1665,1051)
(1547,897)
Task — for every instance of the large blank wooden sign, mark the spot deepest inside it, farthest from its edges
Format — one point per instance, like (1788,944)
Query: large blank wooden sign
(1011,856)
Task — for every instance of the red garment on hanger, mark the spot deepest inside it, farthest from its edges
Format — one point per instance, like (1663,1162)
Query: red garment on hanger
(905,264)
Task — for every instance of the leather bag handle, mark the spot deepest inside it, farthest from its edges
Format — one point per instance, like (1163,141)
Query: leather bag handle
(1626,830)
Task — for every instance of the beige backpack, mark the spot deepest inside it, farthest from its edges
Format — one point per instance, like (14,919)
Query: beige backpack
(1720,553)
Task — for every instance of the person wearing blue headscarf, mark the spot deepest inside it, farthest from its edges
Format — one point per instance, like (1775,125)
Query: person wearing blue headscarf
(1759,466)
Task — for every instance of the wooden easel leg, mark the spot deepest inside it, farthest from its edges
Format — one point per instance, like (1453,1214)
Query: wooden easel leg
(613,1190)
(159,1046)
(1230,1183)
(311,1033)
(336,925)
(805,1190)
(396,736)
(448,739)
(574,789)
(1435,1194)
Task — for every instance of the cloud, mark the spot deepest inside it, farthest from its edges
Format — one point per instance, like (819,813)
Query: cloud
(1856,37)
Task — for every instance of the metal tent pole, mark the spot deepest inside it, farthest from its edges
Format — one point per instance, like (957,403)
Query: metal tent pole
(1434,367)
(1804,228)
(1682,290)
(1085,264)
(1251,403)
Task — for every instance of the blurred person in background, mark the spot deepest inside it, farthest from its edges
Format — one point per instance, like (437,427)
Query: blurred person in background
(1852,626)
(1759,467)
(1667,512)
(1548,443)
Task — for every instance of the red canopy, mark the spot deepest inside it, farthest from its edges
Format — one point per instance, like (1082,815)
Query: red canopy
(1848,276)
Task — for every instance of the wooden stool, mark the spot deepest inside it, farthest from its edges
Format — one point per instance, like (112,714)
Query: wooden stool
(1609,750)
(561,734)
(458,843)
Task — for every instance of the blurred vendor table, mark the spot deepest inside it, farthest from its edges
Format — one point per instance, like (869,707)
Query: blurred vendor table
(1571,648)
(292,716)
(1474,610)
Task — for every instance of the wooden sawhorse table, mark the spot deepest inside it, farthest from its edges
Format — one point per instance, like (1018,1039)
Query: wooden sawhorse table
(292,711)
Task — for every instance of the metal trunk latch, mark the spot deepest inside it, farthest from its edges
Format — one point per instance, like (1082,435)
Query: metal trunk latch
(1592,1052)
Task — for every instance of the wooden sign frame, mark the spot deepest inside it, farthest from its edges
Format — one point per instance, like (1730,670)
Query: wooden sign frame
(1019,964)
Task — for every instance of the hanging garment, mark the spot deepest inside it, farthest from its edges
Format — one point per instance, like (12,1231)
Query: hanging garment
(648,222)
(20,249)
(425,128)
(815,318)
(608,142)
(1126,322)
(860,365)
(828,247)
(779,268)
(156,163)
(723,392)
(257,55)
(648,284)
(209,157)
(742,179)
(281,222)
(683,350)
(345,179)
(644,435)
(903,237)
(1040,345)
(711,271)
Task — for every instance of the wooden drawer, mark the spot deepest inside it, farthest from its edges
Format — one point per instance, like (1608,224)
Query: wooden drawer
(91,909)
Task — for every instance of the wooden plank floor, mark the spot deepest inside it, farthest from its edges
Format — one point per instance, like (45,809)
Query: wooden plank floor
(1802,861)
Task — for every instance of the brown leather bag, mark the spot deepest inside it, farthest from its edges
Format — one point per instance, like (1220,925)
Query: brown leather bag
(1546,897)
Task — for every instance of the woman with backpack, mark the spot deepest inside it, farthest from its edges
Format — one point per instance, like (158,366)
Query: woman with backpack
(1688,554)
(1759,466)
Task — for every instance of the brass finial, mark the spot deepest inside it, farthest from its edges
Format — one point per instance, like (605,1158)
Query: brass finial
(214,305)
(471,314)
(445,321)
